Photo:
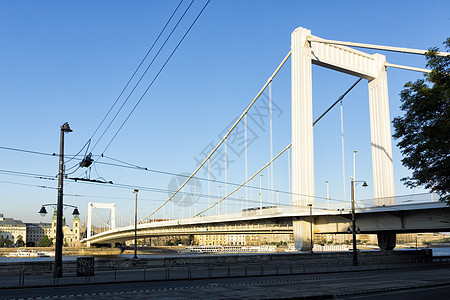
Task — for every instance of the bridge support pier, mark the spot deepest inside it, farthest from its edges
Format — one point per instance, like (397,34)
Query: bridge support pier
(386,240)
(302,235)
(191,239)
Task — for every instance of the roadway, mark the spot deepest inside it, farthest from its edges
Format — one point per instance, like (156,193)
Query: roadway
(407,283)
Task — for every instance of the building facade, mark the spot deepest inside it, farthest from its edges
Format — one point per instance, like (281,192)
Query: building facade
(36,232)
(12,230)
(71,235)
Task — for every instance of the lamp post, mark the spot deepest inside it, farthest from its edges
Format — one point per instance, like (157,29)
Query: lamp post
(310,226)
(260,194)
(353,228)
(57,270)
(328,196)
(135,224)
(43,211)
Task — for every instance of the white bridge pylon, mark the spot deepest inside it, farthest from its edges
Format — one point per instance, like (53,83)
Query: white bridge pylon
(305,51)
(92,205)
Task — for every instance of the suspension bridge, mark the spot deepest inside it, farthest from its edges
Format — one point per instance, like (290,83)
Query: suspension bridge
(297,210)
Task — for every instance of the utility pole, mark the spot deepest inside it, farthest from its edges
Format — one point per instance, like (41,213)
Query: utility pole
(260,194)
(354,168)
(355,257)
(354,228)
(310,226)
(135,224)
(57,270)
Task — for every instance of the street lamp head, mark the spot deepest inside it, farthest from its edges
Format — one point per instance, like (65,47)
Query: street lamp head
(365,184)
(43,211)
(66,128)
(135,191)
(310,204)
(75,212)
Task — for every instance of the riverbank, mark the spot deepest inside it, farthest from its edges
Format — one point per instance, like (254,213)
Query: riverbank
(77,251)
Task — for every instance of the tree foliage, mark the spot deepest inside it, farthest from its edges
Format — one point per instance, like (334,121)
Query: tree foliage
(20,242)
(424,130)
(5,242)
(46,242)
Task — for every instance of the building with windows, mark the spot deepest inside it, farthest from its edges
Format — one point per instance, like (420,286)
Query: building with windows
(71,235)
(12,230)
(36,232)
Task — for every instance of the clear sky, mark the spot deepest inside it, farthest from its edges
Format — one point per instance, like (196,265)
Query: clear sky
(68,62)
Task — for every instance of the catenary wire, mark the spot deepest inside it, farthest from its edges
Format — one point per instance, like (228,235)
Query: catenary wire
(143,74)
(156,76)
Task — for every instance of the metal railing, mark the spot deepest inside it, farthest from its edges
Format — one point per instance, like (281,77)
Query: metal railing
(118,273)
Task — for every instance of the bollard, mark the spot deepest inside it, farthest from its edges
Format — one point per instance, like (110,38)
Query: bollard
(56,279)
(228,271)
(20,276)
(144,273)
(23,276)
(167,273)
(189,272)
(246,272)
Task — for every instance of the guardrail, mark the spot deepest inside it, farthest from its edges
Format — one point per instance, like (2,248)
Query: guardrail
(118,273)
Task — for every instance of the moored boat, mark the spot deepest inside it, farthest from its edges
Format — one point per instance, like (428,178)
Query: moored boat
(23,252)
(227,249)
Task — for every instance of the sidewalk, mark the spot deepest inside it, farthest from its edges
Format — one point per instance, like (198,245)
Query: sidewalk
(191,272)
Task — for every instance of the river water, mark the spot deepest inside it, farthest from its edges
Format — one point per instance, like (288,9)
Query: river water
(442,251)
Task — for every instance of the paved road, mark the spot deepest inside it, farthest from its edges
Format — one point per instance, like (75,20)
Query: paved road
(411,294)
(391,284)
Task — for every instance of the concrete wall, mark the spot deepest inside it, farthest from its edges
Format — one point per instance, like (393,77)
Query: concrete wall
(310,261)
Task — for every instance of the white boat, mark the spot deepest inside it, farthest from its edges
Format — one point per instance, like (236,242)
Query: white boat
(321,248)
(27,253)
(330,248)
(227,249)
(290,248)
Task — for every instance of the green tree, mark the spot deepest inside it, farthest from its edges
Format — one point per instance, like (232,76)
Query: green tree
(424,130)
(5,242)
(46,242)
(20,242)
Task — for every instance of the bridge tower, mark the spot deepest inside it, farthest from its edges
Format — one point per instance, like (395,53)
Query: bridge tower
(92,205)
(307,50)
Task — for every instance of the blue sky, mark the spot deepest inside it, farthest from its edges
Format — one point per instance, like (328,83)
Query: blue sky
(68,61)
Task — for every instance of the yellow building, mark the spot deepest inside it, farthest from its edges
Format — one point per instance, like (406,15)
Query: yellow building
(71,235)
(12,230)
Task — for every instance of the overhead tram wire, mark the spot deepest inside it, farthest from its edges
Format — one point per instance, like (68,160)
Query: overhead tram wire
(168,173)
(30,185)
(129,80)
(157,75)
(26,174)
(146,70)
(28,151)
(131,166)
(154,79)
